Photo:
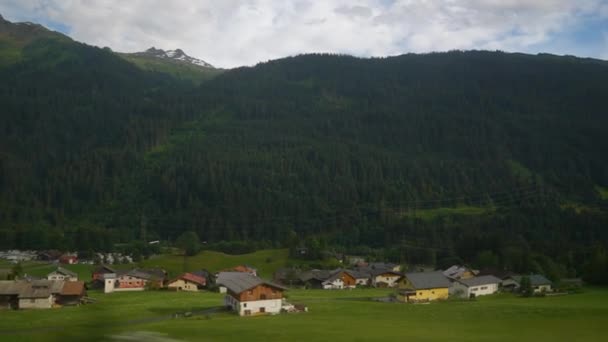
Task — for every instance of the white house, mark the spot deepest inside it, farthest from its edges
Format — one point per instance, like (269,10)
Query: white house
(476,286)
(385,278)
(62,274)
(249,295)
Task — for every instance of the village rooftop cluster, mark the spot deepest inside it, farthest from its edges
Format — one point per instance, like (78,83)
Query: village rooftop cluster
(249,295)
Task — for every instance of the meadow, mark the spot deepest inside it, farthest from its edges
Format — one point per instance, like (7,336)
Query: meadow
(347,315)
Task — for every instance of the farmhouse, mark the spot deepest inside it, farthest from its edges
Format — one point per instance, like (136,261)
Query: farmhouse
(385,278)
(476,286)
(9,294)
(68,259)
(423,287)
(339,280)
(249,295)
(187,282)
(39,294)
(72,293)
(133,280)
(539,283)
(314,279)
(456,272)
(362,278)
(62,274)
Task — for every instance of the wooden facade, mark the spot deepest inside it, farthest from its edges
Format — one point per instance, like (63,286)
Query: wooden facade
(260,292)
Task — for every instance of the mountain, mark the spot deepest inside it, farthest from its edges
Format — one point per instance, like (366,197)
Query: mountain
(178,56)
(489,158)
(173,62)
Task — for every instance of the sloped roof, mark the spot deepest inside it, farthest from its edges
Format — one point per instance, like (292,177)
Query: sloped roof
(64,271)
(320,275)
(104,269)
(10,287)
(481,280)
(385,271)
(238,282)
(456,271)
(193,278)
(72,288)
(428,280)
(358,274)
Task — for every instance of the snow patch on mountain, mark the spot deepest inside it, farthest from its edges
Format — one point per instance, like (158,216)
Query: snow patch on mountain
(178,55)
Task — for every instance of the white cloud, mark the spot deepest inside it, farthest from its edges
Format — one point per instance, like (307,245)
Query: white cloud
(234,32)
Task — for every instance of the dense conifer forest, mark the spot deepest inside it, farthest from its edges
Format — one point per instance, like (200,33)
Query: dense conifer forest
(489,158)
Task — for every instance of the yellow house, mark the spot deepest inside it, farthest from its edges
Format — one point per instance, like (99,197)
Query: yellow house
(187,282)
(418,287)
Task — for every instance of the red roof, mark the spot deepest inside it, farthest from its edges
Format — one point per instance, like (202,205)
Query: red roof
(73,288)
(193,278)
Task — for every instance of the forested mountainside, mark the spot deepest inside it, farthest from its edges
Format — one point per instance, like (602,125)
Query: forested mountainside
(484,157)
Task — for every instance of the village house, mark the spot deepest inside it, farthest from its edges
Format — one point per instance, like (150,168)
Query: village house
(97,277)
(338,280)
(62,274)
(362,278)
(457,272)
(249,295)
(134,280)
(385,278)
(314,279)
(476,286)
(243,268)
(40,294)
(539,283)
(418,287)
(187,282)
(68,259)
(72,293)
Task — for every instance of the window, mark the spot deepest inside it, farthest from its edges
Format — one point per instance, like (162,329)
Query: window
(250,292)
(474,289)
(484,287)
(433,292)
(262,309)
(244,305)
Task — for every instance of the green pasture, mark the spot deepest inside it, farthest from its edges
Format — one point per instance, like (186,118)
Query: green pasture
(347,315)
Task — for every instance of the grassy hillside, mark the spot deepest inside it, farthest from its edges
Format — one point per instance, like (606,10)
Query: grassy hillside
(333,316)
(182,71)
(266,261)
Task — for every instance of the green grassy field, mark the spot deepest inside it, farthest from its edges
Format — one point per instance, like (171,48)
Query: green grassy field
(332,316)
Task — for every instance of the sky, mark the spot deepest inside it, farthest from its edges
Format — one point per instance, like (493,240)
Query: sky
(230,33)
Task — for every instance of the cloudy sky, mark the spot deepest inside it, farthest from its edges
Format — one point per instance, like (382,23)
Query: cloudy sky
(230,33)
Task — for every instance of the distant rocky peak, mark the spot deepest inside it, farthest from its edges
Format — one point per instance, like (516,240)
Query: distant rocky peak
(176,55)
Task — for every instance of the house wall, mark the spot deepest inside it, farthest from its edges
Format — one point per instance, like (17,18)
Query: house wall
(182,285)
(388,278)
(425,295)
(348,280)
(542,288)
(128,282)
(254,307)
(337,284)
(108,285)
(362,281)
(36,303)
(480,290)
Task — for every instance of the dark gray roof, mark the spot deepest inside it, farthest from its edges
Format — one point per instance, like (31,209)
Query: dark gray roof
(481,280)
(320,275)
(535,279)
(358,274)
(64,271)
(238,282)
(428,280)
